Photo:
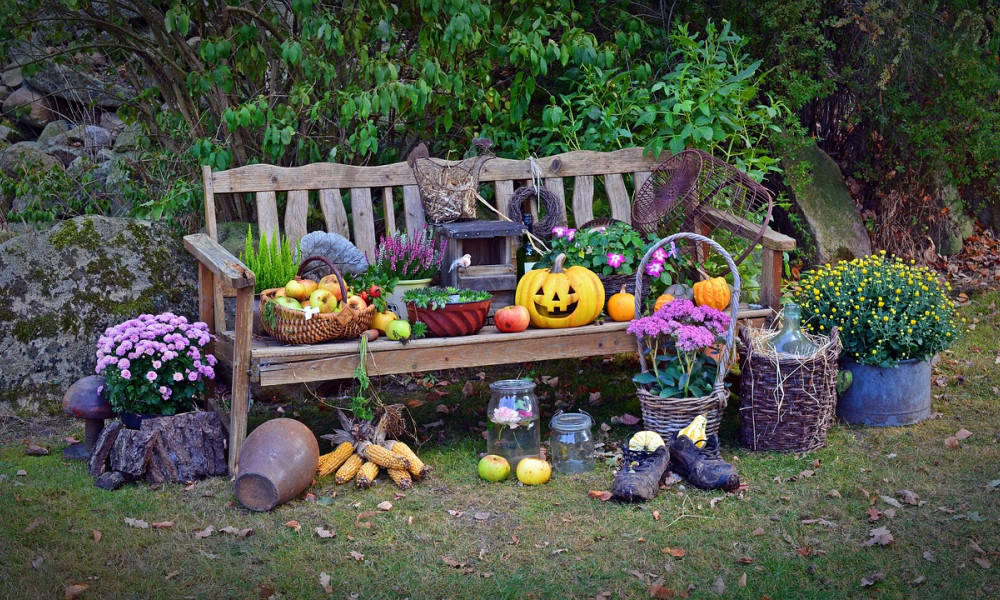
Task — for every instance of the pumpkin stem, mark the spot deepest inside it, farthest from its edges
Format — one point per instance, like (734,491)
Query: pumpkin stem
(557,264)
(623,290)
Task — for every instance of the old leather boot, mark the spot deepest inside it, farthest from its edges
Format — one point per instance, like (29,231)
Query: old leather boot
(640,476)
(699,468)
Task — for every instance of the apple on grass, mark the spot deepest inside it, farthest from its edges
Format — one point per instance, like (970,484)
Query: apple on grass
(323,300)
(533,471)
(494,468)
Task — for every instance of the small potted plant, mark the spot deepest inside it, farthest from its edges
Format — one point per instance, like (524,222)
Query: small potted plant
(613,252)
(448,311)
(893,318)
(154,365)
(680,377)
(413,259)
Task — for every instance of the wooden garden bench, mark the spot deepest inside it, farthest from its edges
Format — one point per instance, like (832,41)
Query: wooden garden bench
(267,362)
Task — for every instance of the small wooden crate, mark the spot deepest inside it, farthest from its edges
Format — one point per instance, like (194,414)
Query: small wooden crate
(493,247)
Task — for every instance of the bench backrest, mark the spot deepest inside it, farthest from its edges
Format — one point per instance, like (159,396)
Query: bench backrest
(623,172)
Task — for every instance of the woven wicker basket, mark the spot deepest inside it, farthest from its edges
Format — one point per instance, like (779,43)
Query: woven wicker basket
(667,416)
(292,327)
(787,404)
(448,192)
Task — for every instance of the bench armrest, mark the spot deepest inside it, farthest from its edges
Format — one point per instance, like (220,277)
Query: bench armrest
(771,239)
(219,261)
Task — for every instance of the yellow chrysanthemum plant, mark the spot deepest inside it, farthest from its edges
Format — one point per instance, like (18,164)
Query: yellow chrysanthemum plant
(887,310)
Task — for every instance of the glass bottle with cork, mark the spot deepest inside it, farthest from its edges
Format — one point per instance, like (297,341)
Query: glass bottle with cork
(527,255)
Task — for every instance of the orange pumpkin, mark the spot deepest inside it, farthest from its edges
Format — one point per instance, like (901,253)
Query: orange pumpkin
(621,306)
(712,292)
(662,301)
(558,298)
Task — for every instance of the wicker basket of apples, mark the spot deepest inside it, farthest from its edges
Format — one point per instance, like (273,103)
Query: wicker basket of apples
(309,312)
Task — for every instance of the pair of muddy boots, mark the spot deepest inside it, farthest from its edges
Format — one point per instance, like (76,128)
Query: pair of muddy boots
(640,476)
(702,467)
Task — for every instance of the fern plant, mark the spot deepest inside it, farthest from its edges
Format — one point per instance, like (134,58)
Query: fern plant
(272,263)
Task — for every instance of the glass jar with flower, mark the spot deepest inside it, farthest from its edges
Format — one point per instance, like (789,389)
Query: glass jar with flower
(411,258)
(155,364)
(893,318)
(513,421)
(613,252)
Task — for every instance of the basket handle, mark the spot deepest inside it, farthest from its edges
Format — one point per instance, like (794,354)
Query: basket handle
(333,267)
(734,303)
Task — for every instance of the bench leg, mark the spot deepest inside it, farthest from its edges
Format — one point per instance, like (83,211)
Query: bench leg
(241,376)
(770,279)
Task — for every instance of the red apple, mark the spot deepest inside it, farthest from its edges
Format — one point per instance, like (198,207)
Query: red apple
(511,319)
(330,282)
(300,289)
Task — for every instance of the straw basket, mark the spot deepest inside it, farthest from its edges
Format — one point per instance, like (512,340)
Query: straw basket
(787,403)
(667,416)
(292,327)
(448,191)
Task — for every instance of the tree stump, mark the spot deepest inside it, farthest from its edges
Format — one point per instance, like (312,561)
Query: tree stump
(172,449)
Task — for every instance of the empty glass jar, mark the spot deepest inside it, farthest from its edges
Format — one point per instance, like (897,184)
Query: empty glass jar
(513,421)
(571,441)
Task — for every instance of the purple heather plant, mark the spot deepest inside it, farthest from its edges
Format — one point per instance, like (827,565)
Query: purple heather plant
(154,364)
(410,256)
(676,337)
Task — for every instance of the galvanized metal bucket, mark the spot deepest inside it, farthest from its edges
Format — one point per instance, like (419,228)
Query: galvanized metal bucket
(887,396)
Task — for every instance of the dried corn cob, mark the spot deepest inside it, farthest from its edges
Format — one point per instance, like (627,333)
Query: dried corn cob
(384,457)
(367,474)
(349,469)
(417,467)
(402,478)
(330,462)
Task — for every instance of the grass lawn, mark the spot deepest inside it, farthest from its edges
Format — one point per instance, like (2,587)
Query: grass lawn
(797,532)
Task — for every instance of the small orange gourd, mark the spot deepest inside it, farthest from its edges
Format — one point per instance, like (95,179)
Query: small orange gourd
(621,306)
(712,292)
(662,301)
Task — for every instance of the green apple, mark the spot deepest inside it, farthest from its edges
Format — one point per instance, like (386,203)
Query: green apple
(288,302)
(494,468)
(398,330)
(323,300)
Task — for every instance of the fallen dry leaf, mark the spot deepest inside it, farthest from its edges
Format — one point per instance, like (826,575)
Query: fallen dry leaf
(595,397)
(36,450)
(324,582)
(880,536)
(599,495)
(962,434)
(975,547)
(951,443)
(325,533)
(364,515)
(833,494)
(37,562)
(451,562)
(240,533)
(656,515)
(414,403)
(481,516)
(71,439)
(76,590)
(137,523)
(758,531)
(909,497)
(38,521)
(872,579)
(162,525)
(171,575)
(919,580)
(714,501)
(97,535)
(468,390)
(891,501)
(982,562)
(718,586)
(385,505)
(675,552)
(822,522)
(745,560)
(357,555)
(293,524)
(874,514)
(23,473)
(890,512)
(560,550)
(658,591)
(804,551)
(929,556)
(204,533)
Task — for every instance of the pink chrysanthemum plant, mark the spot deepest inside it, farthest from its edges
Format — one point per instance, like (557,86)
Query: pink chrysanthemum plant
(155,364)
(676,338)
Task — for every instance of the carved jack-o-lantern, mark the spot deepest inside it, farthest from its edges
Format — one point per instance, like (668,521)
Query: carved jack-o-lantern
(560,298)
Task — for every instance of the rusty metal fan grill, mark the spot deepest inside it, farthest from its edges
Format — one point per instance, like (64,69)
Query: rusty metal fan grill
(692,191)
